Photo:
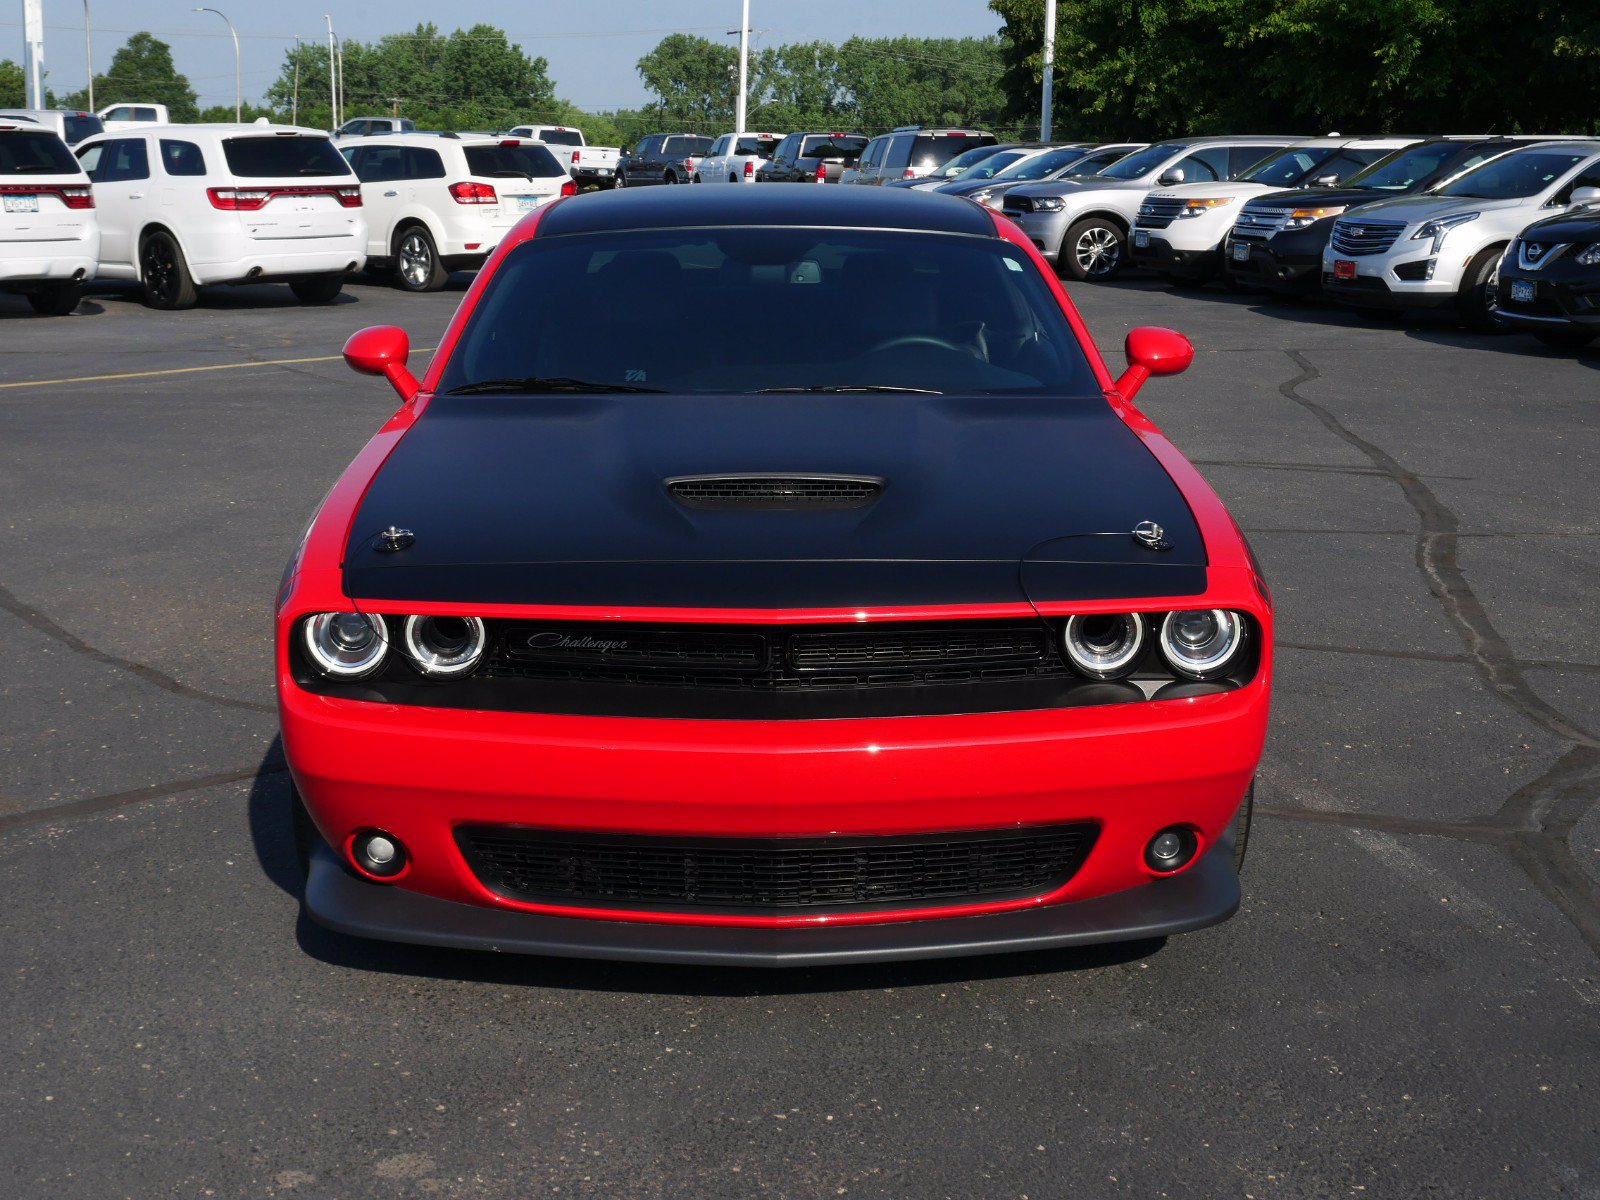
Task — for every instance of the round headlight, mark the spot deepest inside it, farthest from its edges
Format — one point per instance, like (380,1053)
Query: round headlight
(346,645)
(1104,645)
(445,646)
(1201,642)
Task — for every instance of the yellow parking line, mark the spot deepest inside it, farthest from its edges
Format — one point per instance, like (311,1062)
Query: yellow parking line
(265,362)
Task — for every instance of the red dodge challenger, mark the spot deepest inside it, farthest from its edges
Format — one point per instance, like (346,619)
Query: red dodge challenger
(774,577)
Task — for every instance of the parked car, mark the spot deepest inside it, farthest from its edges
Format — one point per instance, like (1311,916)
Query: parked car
(130,116)
(1066,162)
(662,158)
(940,648)
(912,152)
(735,157)
(1180,231)
(185,206)
(1082,225)
(812,158)
(67,124)
(981,162)
(1549,282)
(367,126)
(585,163)
(1278,239)
(1391,255)
(436,205)
(49,237)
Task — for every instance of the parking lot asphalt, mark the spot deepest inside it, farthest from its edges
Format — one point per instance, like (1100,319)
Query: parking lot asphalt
(1407,1003)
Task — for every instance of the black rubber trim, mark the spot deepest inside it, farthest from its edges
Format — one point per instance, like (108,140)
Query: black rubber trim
(1206,894)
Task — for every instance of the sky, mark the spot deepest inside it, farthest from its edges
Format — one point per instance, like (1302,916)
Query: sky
(591,47)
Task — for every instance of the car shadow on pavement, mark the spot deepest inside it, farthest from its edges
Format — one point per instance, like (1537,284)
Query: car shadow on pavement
(273,838)
(240,298)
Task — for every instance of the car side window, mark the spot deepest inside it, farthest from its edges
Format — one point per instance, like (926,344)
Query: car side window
(89,159)
(787,148)
(122,161)
(182,158)
(423,164)
(1204,166)
(869,157)
(1587,178)
(145,114)
(117,114)
(898,157)
(380,164)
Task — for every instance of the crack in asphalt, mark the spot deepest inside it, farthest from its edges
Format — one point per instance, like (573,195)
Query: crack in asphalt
(37,620)
(1529,664)
(92,805)
(1533,824)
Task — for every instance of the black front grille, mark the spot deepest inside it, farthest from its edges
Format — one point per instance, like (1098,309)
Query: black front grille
(774,875)
(1260,222)
(795,657)
(1158,212)
(1355,236)
(775,491)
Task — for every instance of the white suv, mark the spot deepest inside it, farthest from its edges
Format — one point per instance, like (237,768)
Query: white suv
(49,238)
(185,206)
(1180,231)
(736,157)
(1443,248)
(440,204)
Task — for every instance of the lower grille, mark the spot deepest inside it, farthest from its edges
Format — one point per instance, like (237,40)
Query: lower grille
(774,875)
(1356,236)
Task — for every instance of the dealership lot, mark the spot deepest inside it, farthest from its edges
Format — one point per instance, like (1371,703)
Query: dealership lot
(1406,1003)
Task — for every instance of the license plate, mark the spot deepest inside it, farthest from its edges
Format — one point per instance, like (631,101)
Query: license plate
(1141,239)
(1522,291)
(527,203)
(1343,268)
(602,170)
(22,203)
(1241,252)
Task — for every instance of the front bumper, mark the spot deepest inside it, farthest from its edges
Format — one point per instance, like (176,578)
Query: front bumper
(1044,230)
(1206,894)
(1568,296)
(1159,254)
(1372,291)
(1270,266)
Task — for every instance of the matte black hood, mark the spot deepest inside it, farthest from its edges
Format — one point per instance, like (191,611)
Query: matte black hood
(560,499)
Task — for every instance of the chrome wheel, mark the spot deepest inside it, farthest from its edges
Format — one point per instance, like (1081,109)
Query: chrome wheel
(416,260)
(1098,250)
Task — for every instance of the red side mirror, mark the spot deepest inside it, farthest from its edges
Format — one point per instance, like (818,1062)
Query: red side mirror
(1152,350)
(383,350)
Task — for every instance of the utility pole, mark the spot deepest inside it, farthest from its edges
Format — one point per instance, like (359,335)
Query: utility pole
(33,47)
(238,69)
(341,81)
(294,103)
(1049,69)
(88,53)
(744,68)
(333,77)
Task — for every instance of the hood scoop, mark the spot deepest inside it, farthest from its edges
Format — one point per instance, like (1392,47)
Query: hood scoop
(773,491)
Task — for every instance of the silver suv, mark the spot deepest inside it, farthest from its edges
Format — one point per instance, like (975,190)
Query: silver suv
(1082,224)
(911,152)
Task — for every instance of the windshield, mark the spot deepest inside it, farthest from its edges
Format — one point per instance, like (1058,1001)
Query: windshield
(686,146)
(33,153)
(1142,162)
(1404,169)
(1038,166)
(945,150)
(989,167)
(822,145)
(1287,168)
(1514,177)
(508,162)
(281,157)
(561,137)
(753,310)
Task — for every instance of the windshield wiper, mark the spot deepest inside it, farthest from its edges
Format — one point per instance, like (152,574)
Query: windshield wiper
(545,383)
(848,387)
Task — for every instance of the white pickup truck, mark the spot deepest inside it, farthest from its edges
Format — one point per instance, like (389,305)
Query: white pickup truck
(126,116)
(585,163)
(736,157)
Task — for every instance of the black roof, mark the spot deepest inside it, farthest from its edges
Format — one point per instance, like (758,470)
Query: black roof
(664,207)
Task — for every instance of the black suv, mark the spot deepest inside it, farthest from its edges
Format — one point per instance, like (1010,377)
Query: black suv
(1278,240)
(1549,281)
(662,158)
(812,158)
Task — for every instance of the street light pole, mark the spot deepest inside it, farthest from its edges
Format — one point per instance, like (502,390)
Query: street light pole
(294,102)
(744,68)
(238,69)
(333,78)
(88,53)
(1049,69)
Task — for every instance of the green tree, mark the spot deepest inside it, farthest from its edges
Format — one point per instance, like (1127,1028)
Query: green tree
(142,70)
(13,84)
(694,80)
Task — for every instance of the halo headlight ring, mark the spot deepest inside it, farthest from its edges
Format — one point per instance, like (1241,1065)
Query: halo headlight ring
(1104,645)
(1202,643)
(345,645)
(440,650)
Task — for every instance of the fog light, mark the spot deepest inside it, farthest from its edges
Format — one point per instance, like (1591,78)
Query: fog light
(378,853)
(1171,849)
